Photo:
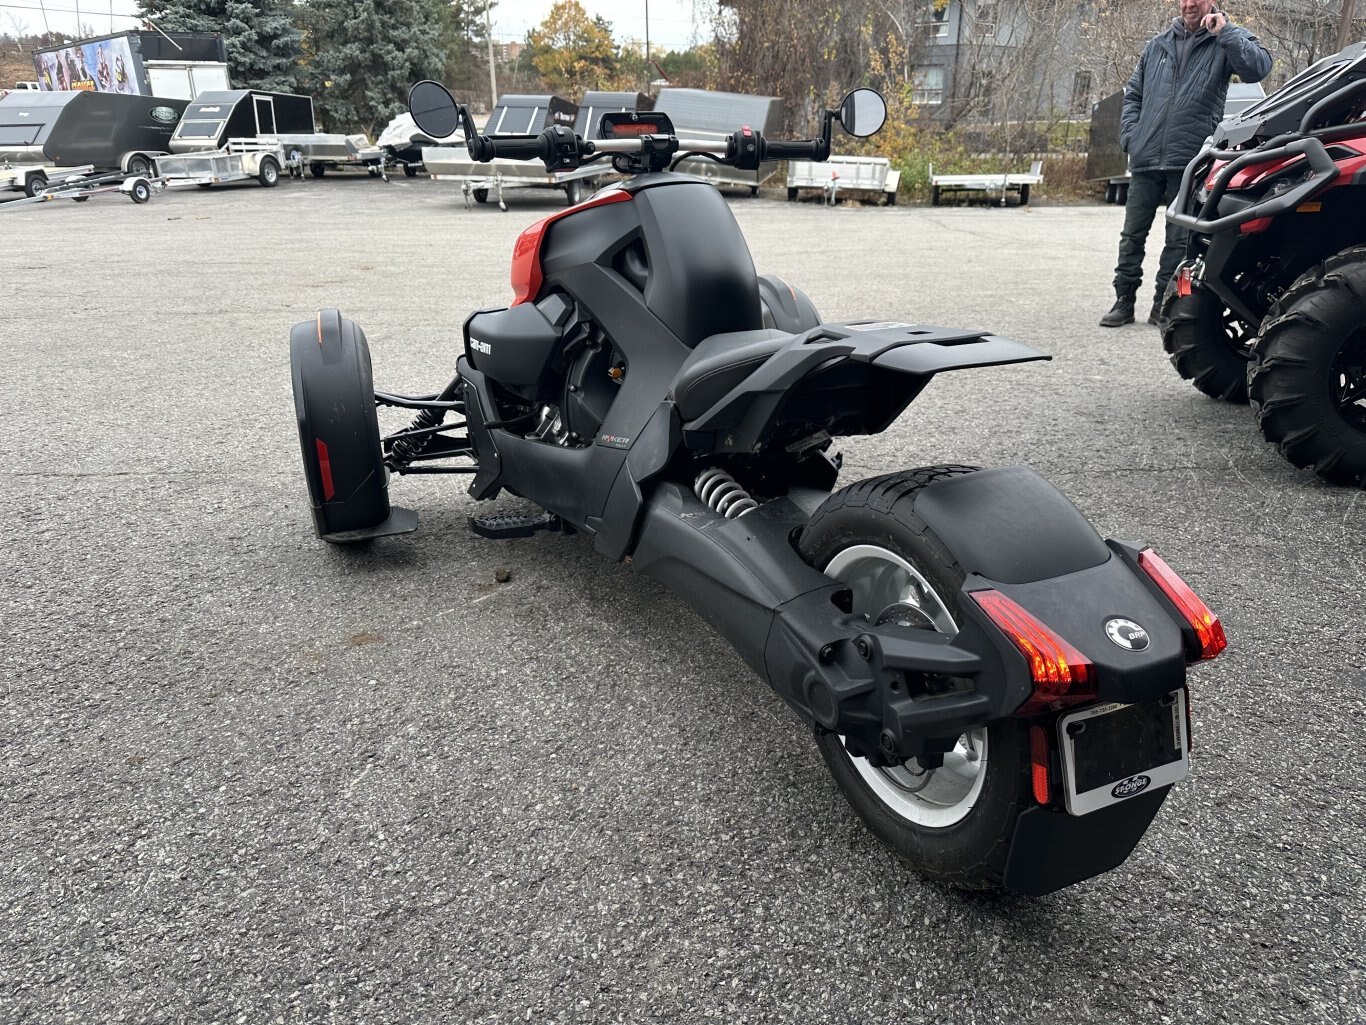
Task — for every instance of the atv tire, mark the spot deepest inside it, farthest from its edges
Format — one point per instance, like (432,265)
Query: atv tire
(1207,344)
(1308,378)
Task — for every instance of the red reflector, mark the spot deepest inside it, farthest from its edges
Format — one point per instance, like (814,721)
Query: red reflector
(1183,281)
(1062,675)
(1253,227)
(526,251)
(1205,623)
(325,469)
(1038,761)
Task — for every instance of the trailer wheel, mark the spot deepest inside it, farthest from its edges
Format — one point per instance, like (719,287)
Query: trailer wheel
(205,185)
(1122,194)
(480,195)
(140,166)
(1024,195)
(891,199)
(934,195)
(269,174)
(141,192)
(334,401)
(316,169)
(36,185)
(409,171)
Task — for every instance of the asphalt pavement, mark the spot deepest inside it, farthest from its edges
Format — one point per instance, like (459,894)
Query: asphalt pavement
(247,777)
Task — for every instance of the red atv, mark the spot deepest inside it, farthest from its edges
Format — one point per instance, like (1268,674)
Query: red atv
(1270,303)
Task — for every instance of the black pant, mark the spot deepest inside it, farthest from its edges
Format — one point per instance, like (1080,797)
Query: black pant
(1147,191)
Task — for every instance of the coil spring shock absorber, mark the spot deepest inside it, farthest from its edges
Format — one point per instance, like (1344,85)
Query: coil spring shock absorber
(405,449)
(721,493)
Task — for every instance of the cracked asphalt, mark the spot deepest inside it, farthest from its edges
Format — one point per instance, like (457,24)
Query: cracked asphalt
(246,777)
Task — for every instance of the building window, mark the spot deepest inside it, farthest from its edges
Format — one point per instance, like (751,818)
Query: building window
(1081,92)
(934,19)
(984,21)
(927,85)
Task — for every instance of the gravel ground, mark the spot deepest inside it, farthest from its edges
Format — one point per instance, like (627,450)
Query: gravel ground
(247,777)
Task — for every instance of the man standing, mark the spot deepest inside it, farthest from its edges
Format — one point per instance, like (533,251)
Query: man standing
(1172,103)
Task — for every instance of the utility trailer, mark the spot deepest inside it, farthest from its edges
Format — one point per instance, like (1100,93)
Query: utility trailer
(80,187)
(989,185)
(35,179)
(855,177)
(320,152)
(238,160)
(706,114)
(108,131)
(514,114)
(1106,162)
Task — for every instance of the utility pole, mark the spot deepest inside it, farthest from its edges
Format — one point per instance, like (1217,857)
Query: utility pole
(647,46)
(493,77)
(1345,24)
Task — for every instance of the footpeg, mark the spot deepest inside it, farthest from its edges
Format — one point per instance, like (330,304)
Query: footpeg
(501,526)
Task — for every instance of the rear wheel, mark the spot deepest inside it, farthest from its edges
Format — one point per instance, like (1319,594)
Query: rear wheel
(1024,195)
(317,170)
(36,185)
(1308,379)
(140,166)
(934,195)
(480,195)
(953,823)
(141,191)
(409,171)
(1207,344)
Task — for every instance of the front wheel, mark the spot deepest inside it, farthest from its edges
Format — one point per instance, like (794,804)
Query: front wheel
(952,823)
(1207,344)
(269,175)
(1308,379)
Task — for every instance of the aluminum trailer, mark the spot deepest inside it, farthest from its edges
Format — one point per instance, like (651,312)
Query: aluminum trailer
(514,114)
(705,114)
(856,177)
(989,185)
(78,187)
(108,131)
(239,160)
(320,152)
(34,179)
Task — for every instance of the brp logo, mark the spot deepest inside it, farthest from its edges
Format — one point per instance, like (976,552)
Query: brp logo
(1127,634)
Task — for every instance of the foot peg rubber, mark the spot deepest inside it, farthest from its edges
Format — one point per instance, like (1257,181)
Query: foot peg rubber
(507,525)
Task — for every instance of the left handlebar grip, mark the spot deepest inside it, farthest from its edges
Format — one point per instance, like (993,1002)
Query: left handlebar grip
(513,149)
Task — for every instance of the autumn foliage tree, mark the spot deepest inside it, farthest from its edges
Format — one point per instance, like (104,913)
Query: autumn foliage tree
(573,52)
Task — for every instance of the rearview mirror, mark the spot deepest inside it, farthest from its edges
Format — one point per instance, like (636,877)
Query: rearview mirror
(435,111)
(863,113)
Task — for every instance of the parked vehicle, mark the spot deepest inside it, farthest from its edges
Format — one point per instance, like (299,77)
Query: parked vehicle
(850,176)
(70,129)
(180,65)
(999,692)
(1268,303)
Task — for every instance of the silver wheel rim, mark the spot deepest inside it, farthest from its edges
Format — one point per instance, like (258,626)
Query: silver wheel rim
(889,590)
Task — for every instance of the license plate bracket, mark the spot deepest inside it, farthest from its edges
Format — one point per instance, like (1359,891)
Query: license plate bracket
(1113,752)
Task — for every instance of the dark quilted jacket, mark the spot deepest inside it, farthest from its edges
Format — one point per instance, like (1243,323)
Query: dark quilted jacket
(1167,117)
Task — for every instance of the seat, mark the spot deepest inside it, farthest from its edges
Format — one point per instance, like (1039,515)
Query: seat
(718,364)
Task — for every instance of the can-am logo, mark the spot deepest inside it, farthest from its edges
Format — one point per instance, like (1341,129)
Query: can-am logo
(479,346)
(1129,787)
(1127,634)
(166,115)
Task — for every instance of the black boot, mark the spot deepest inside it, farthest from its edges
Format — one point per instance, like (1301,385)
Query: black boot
(1122,312)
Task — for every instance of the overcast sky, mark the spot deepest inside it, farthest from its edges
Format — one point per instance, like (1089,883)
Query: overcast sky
(671,21)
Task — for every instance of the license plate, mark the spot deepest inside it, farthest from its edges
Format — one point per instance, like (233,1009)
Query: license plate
(1113,752)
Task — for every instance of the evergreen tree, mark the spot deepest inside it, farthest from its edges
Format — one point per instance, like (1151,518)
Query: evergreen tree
(364,56)
(260,36)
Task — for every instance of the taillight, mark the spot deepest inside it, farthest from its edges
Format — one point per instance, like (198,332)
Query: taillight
(1208,630)
(1061,674)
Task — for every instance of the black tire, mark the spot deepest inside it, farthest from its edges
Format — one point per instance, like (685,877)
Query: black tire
(576,191)
(205,185)
(1024,195)
(891,198)
(754,190)
(1307,382)
(1207,344)
(334,402)
(1122,193)
(36,185)
(268,174)
(1110,193)
(791,194)
(409,171)
(317,170)
(969,849)
(934,195)
(480,195)
(141,192)
(139,166)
